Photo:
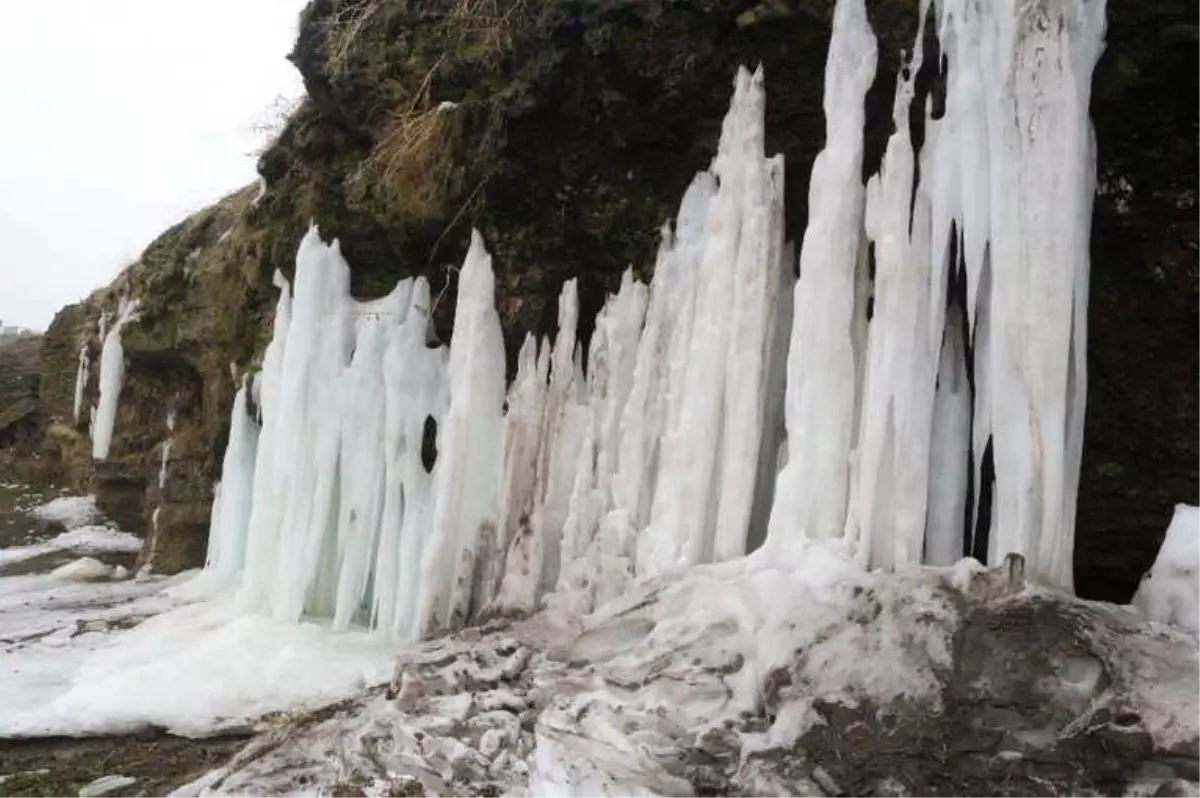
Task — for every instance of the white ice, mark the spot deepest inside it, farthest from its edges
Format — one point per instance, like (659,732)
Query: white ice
(335,487)
(1170,590)
(81,378)
(228,528)
(470,441)
(811,495)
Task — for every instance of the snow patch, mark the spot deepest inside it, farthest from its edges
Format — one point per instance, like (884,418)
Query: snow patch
(70,511)
(85,540)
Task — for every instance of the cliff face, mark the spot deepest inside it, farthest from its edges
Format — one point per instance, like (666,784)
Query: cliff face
(566,131)
(20,412)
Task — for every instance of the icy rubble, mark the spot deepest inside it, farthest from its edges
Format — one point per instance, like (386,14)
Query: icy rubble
(706,684)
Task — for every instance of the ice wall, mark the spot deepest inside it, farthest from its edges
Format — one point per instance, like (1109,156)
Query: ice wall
(112,374)
(725,403)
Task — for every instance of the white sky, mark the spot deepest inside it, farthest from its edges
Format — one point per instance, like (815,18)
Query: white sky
(117,119)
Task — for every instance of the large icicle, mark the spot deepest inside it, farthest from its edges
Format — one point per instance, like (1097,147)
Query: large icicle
(532,561)
(1038,67)
(362,461)
(948,456)
(415,379)
(705,495)
(112,375)
(811,495)
(469,448)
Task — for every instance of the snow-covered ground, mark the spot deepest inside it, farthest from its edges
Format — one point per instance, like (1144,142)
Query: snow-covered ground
(171,652)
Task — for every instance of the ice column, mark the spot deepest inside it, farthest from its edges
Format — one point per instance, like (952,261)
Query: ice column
(811,494)
(469,447)
(112,374)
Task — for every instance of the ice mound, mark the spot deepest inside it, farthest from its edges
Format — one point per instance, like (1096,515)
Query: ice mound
(1170,591)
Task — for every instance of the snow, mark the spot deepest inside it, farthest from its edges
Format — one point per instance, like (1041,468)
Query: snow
(70,511)
(1170,590)
(67,670)
(112,374)
(90,539)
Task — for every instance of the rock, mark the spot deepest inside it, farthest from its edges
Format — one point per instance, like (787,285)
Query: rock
(105,785)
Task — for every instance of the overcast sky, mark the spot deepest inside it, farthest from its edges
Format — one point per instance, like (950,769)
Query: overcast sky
(117,119)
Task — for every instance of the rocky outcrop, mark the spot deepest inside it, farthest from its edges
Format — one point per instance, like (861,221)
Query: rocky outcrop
(21,416)
(566,132)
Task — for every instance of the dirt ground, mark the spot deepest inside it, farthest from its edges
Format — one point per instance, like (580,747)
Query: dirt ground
(61,766)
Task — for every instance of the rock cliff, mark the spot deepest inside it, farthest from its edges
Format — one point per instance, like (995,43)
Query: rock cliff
(566,130)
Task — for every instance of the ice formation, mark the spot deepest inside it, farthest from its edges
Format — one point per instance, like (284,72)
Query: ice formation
(81,378)
(167,445)
(323,507)
(1006,180)
(722,405)
(1170,591)
(112,374)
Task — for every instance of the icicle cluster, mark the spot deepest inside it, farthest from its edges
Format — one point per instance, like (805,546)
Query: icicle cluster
(112,375)
(1003,203)
(325,508)
(689,440)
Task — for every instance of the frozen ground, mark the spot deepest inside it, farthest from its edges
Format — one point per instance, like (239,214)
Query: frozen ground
(933,682)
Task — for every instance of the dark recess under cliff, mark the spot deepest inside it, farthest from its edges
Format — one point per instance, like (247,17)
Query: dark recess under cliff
(576,126)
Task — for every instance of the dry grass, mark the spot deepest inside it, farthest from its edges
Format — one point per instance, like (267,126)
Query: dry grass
(413,163)
(486,24)
(342,29)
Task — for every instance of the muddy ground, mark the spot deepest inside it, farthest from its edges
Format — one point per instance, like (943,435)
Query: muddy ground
(61,766)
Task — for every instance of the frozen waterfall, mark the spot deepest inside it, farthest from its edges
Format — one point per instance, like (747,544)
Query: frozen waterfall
(726,402)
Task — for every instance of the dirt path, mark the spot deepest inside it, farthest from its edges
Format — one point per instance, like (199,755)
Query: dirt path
(60,766)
